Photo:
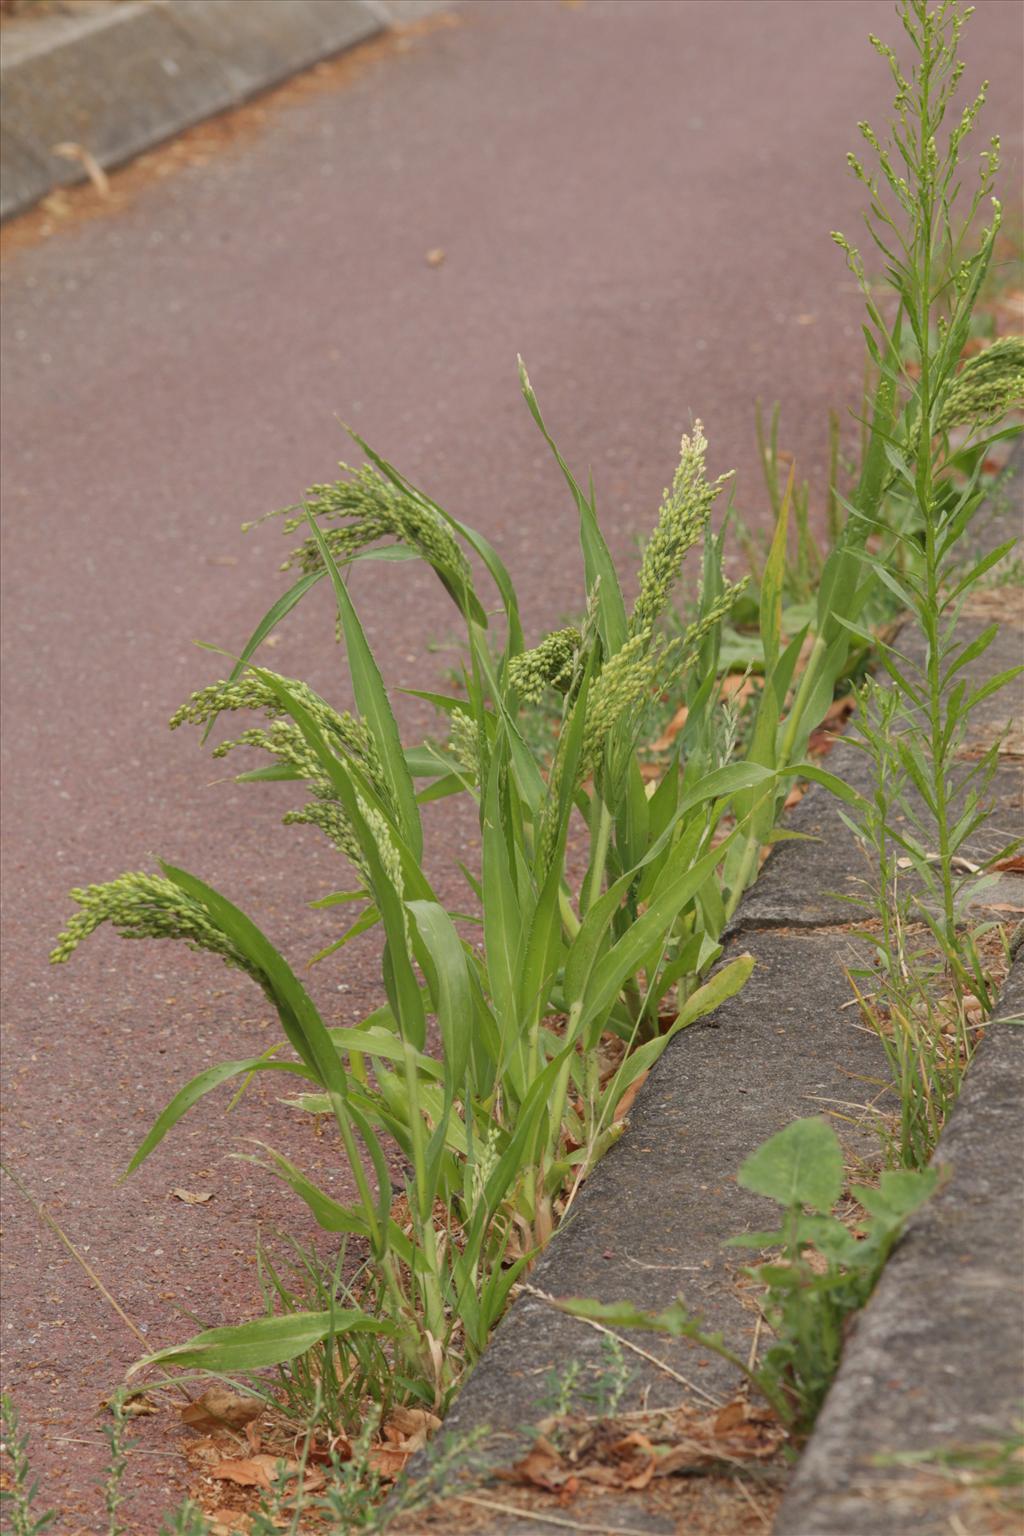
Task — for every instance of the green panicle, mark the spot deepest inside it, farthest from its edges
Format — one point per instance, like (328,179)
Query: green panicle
(551,664)
(987,386)
(370,508)
(141,906)
(685,509)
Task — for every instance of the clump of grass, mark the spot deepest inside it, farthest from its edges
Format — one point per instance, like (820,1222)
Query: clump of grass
(500,1121)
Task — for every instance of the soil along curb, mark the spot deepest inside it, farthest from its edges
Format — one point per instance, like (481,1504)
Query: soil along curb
(940,1342)
(934,1361)
(115,79)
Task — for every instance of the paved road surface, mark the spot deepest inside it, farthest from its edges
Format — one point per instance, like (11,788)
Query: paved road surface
(635,195)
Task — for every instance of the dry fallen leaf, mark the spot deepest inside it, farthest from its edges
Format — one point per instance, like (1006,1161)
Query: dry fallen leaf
(620,1456)
(1013,866)
(739,685)
(193,1196)
(247,1472)
(728,1417)
(409,1428)
(542,1467)
(138,1406)
(823,738)
(219,1407)
(635,1458)
(260,1472)
(435,257)
(625,1104)
(671,730)
(226,1522)
(387,1461)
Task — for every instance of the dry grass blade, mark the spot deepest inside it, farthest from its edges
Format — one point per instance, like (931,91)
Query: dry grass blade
(90,165)
(94,1278)
(559,1520)
(645,1354)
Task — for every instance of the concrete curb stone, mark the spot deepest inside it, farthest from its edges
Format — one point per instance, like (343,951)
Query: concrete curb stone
(117,79)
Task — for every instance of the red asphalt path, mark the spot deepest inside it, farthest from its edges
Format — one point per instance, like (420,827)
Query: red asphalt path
(638,197)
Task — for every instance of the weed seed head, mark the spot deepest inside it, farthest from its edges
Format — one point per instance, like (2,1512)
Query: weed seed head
(347,737)
(987,386)
(141,906)
(551,664)
(369,508)
(465,742)
(682,520)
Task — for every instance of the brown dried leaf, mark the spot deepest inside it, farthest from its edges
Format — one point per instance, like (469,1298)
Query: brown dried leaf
(388,1461)
(260,1472)
(636,1458)
(435,257)
(739,685)
(410,1428)
(671,731)
(839,711)
(220,1408)
(226,1522)
(625,1104)
(745,1430)
(138,1406)
(541,1467)
(193,1196)
(728,1417)
(605,1477)
(247,1472)
(1013,866)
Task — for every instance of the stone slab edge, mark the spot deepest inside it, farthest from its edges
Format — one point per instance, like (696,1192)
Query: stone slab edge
(120,79)
(935,1359)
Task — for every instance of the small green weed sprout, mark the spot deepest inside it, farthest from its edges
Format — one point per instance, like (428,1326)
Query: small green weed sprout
(604,1395)
(17,1500)
(113,1486)
(806,1303)
(560,1388)
(566,1388)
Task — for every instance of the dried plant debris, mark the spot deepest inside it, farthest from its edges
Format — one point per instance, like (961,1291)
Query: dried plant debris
(620,1454)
